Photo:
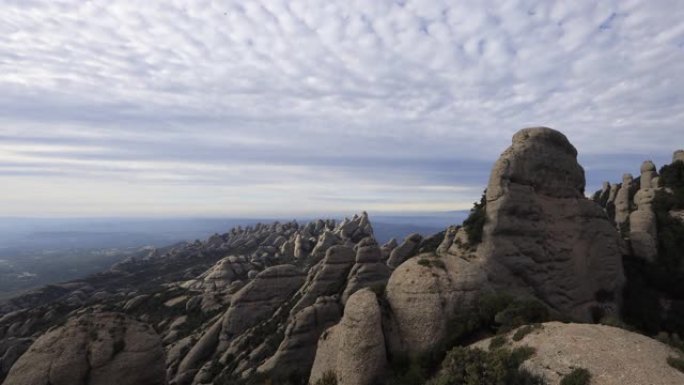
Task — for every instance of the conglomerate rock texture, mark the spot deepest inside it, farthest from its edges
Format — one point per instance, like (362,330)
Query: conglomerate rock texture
(542,235)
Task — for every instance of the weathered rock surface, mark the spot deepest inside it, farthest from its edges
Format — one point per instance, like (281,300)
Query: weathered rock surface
(404,251)
(623,201)
(541,232)
(297,351)
(354,349)
(678,156)
(258,299)
(368,271)
(648,172)
(93,349)
(327,278)
(10,350)
(424,294)
(613,356)
(643,228)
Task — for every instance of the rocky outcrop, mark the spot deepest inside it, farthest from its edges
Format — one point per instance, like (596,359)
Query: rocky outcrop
(257,300)
(424,294)
(613,356)
(327,278)
(623,201)
(10,350)
(368,271)
(354,349)
(678,156)
(404,251)
(93,349)
(643,228)
(648,172)
(542,235)
(387,248)
(297,351)
(325,241)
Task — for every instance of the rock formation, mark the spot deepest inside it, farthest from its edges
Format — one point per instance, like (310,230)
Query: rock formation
(613,356)
(678,156)
(424,294)
(260,298)
(623,201)
(405,250)
(93,349)
(368,271)
(353,350)
(541,234)
(297,351)
(648,172)
(326,278)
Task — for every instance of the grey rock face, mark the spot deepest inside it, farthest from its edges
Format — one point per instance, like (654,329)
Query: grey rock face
(404,251)
(259,298)
(425,297)
(297,351)
(10,350)
(368,271)
(643,227)
(678,156)
(354,349)
(542,233)
(648,172)
(93,349)
(327,278)
(623,201)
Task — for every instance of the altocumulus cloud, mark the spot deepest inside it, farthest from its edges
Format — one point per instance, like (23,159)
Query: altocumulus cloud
(288,107)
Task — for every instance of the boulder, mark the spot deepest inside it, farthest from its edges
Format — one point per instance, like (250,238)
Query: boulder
(424,294)
(405,250)
(613,356)
(354,349)
(93,349)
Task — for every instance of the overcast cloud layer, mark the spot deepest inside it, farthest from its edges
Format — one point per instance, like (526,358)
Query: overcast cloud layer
(312,107)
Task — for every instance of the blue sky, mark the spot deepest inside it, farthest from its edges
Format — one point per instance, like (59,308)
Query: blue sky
(269,107)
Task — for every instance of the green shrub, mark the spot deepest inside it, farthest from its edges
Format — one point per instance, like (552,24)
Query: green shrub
(475,222)
(495,313)
(329,378)
(464,366)
(525,330)
(578,376)
(424,262)
(404,371)
(676,362)
(497,342)
(438,263)
(671,339)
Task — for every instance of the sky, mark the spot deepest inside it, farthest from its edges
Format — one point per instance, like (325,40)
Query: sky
(307,107)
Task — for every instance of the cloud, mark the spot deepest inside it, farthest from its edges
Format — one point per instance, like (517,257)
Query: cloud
(106,106)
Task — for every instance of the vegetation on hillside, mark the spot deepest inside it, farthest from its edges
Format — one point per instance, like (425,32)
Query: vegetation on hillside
(476,220)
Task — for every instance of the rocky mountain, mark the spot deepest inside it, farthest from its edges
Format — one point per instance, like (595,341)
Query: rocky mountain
(512,296)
